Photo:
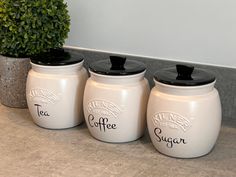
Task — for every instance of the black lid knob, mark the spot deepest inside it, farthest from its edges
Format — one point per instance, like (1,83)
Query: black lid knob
(117,63)
(184,72)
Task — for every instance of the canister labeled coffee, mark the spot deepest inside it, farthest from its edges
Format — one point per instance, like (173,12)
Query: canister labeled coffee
(115,100)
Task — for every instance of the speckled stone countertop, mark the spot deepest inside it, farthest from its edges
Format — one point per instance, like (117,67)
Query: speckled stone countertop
(27,150)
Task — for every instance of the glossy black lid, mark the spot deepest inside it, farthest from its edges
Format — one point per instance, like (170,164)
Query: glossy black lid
(183,75)
(117,66)
(56,57)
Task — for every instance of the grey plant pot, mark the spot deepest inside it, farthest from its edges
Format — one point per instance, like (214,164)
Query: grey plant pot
(13,76)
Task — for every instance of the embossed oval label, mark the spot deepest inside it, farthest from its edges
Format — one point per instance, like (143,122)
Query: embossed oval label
(40,98)
(102,115)
(43,96)
(172,120)
(103,108)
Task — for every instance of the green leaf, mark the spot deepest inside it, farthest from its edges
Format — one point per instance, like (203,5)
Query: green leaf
(25,35)
(28,27)
(11,28)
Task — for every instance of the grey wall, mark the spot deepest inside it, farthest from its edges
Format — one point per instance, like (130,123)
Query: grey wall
(226,77)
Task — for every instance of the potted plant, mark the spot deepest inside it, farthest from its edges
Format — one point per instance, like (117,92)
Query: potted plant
(27,28)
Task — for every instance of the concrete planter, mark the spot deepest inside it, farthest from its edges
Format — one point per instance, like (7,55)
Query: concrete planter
(13,76)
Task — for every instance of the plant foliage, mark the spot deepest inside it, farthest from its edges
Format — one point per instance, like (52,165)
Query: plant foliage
(29,27)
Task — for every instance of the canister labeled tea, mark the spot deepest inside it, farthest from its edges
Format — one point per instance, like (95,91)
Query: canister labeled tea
(184,112)
(55,87)
(115,100)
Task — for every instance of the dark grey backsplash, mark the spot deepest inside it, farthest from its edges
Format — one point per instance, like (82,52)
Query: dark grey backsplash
(226,77)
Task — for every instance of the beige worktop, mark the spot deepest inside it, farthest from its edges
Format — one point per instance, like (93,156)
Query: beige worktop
(27,150)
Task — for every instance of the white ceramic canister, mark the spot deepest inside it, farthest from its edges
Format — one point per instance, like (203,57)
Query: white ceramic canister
(184,112)
(115,100)
(54,90)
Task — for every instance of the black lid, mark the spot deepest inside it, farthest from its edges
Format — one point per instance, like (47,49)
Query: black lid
(56,57)
(183,75)
(117,66)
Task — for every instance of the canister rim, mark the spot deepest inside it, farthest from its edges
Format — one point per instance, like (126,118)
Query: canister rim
(189,76)
(117,66)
